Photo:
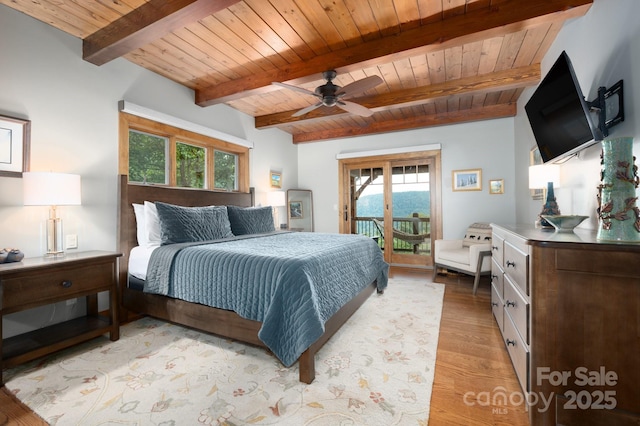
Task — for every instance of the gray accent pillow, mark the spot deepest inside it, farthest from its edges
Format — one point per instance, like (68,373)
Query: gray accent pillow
(179,224)
(250,220)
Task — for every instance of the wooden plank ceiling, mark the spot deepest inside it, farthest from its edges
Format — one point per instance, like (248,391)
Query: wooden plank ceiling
(441,61)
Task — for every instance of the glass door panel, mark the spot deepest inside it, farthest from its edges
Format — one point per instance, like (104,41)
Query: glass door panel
(410,213)
(367,202)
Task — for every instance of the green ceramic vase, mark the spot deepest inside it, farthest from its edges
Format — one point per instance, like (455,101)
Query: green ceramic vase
(618,216)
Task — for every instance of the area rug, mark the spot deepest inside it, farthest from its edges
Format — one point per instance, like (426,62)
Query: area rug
(377,370)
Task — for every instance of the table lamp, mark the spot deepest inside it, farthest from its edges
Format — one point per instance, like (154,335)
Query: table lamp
(52,189)
(276,199)
(546,176)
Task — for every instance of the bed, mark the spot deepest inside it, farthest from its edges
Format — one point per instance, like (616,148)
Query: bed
(225,321)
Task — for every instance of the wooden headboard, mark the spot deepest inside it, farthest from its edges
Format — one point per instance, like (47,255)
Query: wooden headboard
(129,193)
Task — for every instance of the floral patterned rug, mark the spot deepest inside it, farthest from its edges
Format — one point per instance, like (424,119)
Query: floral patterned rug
(377,370)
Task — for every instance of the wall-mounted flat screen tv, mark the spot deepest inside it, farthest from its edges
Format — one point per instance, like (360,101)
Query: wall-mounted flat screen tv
(559,114)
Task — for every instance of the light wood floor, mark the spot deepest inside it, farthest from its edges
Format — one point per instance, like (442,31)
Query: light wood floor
(471,360)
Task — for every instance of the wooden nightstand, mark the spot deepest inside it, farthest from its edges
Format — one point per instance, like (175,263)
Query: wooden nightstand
(45,280)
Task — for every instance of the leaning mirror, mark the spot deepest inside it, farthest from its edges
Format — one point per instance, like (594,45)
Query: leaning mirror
(300,210)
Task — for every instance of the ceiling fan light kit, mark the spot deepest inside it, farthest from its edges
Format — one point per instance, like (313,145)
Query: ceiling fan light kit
(331,95)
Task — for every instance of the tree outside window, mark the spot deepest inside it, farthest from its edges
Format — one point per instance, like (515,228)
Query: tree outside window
(190,165)
(148,158)
(225,166)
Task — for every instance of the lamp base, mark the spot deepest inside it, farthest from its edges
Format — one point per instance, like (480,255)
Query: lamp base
(549,208)
(55,254)
(54,237)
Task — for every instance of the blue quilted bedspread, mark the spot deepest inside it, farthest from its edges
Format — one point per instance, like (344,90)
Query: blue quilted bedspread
(291,282)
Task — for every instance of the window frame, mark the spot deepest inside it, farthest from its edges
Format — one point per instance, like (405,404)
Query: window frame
(174,135)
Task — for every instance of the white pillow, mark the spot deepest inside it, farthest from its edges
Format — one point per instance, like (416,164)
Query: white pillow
(152,223)
(477,233)
(141,229)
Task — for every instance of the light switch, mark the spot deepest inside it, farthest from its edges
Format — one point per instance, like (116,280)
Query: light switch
(72,241)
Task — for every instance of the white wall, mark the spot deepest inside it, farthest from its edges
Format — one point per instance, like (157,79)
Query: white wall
(603,47)
(73,108)
(487,145)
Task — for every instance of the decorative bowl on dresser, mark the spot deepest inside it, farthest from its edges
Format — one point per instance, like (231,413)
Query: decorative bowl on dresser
(564,223)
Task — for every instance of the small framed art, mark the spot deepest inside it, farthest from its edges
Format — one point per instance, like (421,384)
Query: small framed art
(496,186)
(276,179)
(295,210)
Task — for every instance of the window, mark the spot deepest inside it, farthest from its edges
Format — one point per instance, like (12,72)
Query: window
(148,158)
(190,165)
(156,153)
(226,165)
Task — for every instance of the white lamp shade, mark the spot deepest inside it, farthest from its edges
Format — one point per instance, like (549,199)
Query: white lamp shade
(542,174)
(51,189)
(276,198)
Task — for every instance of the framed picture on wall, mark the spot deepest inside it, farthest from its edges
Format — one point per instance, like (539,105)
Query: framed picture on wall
(15,135)
(467,180)
(496,186)
(276,179)
(535,159)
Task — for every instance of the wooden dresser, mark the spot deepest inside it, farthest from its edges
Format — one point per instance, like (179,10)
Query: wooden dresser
(568,308)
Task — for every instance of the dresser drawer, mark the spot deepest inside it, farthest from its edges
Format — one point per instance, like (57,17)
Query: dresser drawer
(516,266)
(518,353)
(42,286)
(497,308)
(517,308)
(497,277)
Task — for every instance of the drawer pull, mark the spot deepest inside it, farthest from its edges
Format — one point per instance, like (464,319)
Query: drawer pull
(511,342)
(510,263)
(510,303)
(494,248)
(66,283)
(494,303)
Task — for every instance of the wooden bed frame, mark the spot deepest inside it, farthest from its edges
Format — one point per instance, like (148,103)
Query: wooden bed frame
(212,320)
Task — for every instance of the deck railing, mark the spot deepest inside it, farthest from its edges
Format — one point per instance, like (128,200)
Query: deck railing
(411,225)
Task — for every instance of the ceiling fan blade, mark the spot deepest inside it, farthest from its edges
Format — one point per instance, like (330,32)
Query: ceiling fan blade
(296,88)
(360,86)
(303,111)
(354,108)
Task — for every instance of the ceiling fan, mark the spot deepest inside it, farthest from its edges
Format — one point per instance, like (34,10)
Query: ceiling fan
(331,95)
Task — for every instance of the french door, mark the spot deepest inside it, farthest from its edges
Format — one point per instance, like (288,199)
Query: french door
(395,200)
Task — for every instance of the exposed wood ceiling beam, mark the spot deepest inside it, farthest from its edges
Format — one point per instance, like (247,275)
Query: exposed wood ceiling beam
(509,16)
(498,81)
(149,22)
(462,116)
